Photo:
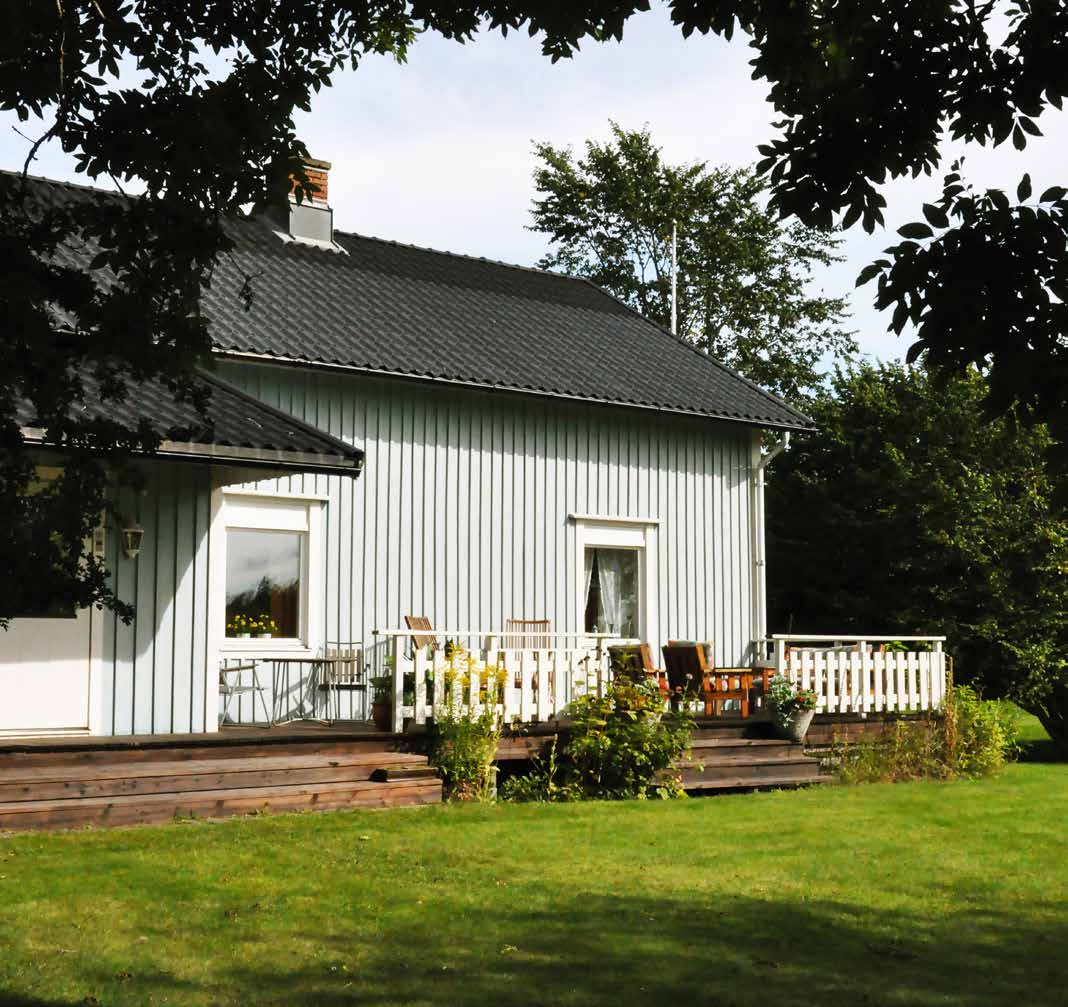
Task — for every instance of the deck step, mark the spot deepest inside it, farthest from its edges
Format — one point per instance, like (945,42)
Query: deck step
(134,781)
(149,808)
(122,778)
(749,783)
(698,743)
(743,756)
(142,751)
(793,769)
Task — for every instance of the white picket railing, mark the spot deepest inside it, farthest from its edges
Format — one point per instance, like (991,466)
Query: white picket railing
(537,684)
(854,675)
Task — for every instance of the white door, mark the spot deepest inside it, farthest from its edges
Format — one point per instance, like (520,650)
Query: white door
(45,667)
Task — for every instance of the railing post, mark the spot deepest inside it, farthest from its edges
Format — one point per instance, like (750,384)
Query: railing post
(780,657)
(419,668)
(600,668)
(940,662)
(398,684)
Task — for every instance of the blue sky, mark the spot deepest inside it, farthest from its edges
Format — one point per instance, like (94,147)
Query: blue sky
(437,151)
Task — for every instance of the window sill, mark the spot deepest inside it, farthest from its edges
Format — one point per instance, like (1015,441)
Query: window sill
(267,648)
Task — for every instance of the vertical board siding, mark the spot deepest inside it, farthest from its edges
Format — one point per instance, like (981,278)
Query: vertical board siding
(152,673)
(461,514)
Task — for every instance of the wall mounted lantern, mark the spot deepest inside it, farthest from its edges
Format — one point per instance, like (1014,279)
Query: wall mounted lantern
(133,535)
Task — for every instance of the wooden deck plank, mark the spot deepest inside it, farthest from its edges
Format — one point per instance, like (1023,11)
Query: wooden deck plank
(126,770)
(80,813)
(245,778)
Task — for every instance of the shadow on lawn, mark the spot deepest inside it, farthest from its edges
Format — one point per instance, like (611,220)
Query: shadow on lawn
(647,950)
(1042,750)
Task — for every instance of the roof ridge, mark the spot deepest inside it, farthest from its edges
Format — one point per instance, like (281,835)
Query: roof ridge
(83,186)
(537,270)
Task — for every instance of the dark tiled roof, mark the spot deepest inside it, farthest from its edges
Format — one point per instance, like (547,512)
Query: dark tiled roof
(396,309)
(239,428)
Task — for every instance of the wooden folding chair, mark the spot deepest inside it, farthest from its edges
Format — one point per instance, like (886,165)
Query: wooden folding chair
(420,640)
(526,634)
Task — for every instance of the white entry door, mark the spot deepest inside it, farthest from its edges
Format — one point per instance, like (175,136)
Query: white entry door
(45,670)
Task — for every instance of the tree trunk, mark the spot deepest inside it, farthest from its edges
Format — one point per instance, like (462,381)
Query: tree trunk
(1053,715)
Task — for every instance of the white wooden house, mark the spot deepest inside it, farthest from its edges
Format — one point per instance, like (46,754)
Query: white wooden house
(400,431)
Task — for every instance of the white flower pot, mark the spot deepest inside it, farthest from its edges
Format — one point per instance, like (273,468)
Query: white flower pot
(264,636)
(796,727)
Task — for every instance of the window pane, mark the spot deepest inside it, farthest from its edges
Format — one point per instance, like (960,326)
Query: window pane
(263,574)
(612,591)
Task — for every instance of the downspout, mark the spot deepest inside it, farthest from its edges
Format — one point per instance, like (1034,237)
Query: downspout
(760,572)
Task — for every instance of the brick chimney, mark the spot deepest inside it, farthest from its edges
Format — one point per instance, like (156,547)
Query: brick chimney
(318,173)
(312,221)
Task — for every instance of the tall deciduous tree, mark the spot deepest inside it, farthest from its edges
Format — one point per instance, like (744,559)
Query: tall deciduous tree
(743,276)
(907,513)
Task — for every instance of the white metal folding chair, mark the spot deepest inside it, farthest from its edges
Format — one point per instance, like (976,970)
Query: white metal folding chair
(238,687)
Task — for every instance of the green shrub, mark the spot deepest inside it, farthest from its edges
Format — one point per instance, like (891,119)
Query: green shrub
(546,782)
(982,735)
(623,744)
(910,750)
(463,743)
(974,737)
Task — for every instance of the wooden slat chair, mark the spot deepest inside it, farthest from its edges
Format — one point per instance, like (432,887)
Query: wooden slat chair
(635,661)
(425,639)
(526,634)
(692,672)
(687,667)
(342,672)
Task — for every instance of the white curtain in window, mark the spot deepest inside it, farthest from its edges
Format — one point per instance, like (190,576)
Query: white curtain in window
(610,578)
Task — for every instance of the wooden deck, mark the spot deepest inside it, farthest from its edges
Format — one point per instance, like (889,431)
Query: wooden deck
(69,782)
(48,783)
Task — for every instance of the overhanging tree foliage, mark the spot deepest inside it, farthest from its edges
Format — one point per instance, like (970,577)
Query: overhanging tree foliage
(196,101)
(742,274)
(906,512)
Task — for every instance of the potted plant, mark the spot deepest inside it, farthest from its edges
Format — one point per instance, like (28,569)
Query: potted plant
(264,626)
(239,626)
(792,708)
(382,701)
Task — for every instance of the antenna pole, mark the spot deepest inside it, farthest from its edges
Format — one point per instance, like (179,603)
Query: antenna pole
(674,282)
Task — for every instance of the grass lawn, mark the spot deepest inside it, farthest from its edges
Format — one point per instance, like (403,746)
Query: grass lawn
(912,894)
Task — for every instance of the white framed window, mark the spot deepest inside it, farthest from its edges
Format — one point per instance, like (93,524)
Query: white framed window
(270,575)
(617,563)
